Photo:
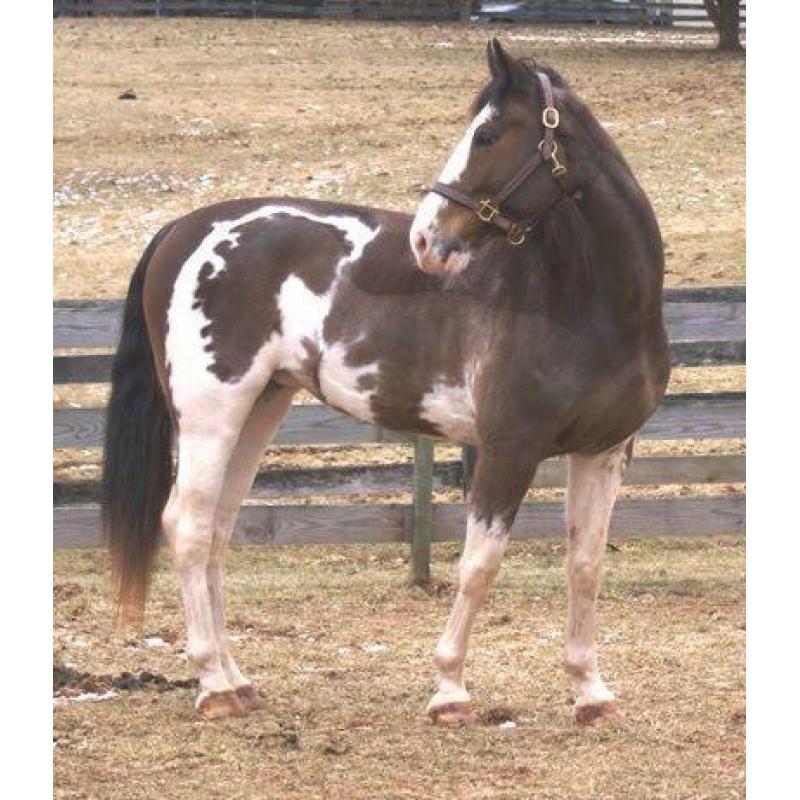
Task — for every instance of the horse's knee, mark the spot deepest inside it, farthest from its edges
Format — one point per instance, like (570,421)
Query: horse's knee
(479,566)
(584,573)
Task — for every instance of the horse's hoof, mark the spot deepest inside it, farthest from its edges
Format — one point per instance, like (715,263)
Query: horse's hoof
(248,696)
(587,713)
(453,715)
(216,705)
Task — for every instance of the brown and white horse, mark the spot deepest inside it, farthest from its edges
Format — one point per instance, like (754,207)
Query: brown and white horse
(519,311)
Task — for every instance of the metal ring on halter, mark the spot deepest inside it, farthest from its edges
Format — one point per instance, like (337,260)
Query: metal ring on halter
(487,210)
(550,117)
(516,236)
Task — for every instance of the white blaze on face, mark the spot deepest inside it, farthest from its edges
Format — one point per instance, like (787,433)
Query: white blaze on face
(425,219)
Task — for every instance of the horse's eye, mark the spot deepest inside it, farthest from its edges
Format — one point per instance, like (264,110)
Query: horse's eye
(484,138)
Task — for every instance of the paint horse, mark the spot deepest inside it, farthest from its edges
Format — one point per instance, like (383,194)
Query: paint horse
(519,312)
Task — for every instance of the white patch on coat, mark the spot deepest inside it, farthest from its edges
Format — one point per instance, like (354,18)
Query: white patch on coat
(338,383)
(192,384)
(428,211)
(452,409)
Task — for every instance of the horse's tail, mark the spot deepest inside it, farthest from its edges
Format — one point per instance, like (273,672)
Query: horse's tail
(137,464)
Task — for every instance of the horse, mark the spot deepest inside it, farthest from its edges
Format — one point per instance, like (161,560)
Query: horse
(518,312)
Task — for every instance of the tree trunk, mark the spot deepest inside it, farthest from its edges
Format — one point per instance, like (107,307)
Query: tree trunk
(465,11)
(725,16)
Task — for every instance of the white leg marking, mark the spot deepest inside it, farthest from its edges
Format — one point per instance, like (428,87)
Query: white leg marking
(189,519)
(257,433)
(479,564)
(592,489)
(428,211)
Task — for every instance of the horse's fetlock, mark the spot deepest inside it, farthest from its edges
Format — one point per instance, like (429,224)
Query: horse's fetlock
(448,657)
(203,656)
(579,660)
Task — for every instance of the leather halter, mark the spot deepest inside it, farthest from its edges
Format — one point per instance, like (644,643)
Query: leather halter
(489,209)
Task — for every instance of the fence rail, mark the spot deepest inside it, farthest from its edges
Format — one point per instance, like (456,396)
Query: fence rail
(547,11)
(78,526)
(706,322)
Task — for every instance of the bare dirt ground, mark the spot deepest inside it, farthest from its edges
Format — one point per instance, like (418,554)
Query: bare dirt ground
(340,647)
(341,651)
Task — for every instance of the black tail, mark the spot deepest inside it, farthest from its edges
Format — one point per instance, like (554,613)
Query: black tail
(137,465)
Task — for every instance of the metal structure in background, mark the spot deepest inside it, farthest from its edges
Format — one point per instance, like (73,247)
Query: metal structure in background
(627,12)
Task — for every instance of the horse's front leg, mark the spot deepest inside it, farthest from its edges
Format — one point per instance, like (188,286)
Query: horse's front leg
(592,489)
(502,476)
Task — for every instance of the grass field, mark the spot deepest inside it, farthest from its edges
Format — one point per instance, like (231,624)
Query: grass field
(341,651)
(337,643)
(366,113)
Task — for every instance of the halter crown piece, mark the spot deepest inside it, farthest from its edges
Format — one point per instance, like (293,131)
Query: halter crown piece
(489,210)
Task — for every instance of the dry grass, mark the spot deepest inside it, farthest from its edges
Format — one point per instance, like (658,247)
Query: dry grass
(344,723)
(367,113)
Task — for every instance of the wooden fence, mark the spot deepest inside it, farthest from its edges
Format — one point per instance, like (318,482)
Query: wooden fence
(706,326)
(691,12)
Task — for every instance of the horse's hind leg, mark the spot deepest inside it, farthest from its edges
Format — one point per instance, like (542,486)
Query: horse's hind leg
(257,433)
(188,519)
(592,489)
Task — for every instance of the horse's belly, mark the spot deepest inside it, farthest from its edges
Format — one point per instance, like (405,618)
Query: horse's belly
(348,388)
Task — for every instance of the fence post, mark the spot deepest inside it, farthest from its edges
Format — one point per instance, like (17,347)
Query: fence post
(423,512)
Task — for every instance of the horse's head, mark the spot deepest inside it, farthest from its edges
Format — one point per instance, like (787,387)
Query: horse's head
(505,158)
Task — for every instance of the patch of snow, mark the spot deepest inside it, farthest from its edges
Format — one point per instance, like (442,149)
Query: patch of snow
(86,697)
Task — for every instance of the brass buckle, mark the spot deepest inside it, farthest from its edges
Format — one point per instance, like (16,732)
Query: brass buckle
(558,168)
(550,117)
(487,210)
(516,237)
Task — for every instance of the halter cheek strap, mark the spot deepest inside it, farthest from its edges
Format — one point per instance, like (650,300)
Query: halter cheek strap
(489,210)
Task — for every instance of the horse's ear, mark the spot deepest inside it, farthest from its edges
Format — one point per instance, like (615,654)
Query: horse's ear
(505,69)
(498,60)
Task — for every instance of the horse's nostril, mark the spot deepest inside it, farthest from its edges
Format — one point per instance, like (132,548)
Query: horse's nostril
(445,247)
(420,243)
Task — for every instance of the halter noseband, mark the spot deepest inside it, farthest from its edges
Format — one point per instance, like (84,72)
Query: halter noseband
(489,209)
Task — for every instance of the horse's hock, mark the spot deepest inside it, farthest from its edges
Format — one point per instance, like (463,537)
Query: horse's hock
(706,326)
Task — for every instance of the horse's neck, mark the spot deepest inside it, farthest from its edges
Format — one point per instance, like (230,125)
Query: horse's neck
(628,256)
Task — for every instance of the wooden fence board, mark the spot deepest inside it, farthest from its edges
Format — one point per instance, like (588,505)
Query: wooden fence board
(77,526)
(272,484)
(706,516)
(96,368)
(608,11)
(96,323)
(681,416)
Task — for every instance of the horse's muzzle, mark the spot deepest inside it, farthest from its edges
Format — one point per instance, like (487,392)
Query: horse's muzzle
(438,255)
